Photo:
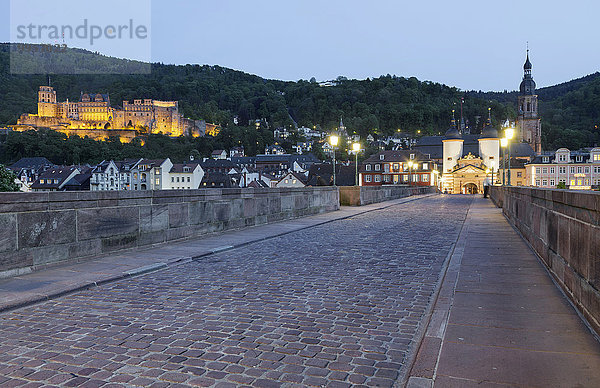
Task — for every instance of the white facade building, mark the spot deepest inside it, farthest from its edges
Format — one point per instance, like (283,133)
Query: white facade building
(577,170)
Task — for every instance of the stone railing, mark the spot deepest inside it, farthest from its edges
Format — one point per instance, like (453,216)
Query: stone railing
(563,226)
(360,196)
(38,229)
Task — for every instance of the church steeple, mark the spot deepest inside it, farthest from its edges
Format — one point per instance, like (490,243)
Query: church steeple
(528,85)
(528,123)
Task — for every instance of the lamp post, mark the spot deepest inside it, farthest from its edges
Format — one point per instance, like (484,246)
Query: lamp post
(504,144)
(356,149)
(493,164)
(436,176)
(410,173)
(334,140)
(509,133)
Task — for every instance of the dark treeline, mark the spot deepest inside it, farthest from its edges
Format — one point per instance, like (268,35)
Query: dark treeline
(379,106)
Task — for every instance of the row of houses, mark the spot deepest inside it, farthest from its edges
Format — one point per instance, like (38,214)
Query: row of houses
(575,170)
(38,174)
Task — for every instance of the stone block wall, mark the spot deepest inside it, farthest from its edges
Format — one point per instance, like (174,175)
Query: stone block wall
(563,226)
(37,229)
(366,195)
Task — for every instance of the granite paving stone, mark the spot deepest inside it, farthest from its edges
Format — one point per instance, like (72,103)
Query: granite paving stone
(336,305)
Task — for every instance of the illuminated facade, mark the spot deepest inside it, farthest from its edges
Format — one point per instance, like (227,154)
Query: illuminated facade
(93,116)
(576,170)
(398,168)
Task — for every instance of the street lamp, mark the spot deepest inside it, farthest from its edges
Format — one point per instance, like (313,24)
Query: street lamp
(508,134)
(493,164)
(356,149)
(436,176)
(410,170)
(334,140)
(504,144)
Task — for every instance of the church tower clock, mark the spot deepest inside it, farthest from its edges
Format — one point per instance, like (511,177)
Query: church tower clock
(529,124)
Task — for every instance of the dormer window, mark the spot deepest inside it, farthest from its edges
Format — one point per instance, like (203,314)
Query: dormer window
(368,167)
(381,157)
(545,159)
(412,156)
(580,158)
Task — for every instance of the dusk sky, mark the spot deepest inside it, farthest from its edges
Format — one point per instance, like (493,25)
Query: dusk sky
(470,44)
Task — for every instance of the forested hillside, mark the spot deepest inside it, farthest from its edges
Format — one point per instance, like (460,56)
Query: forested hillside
(570,111)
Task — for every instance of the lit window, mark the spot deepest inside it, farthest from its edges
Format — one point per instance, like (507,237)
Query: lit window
(377,178)
(294,181)
(377,167)
(425,165)
(412,156)
(367,178)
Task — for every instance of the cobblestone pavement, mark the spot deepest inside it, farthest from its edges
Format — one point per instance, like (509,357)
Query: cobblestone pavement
(335,305)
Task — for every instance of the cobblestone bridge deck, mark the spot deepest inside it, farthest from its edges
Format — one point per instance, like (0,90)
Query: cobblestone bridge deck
(336,304)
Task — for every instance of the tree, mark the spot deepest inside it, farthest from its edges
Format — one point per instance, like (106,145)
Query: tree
(7,180)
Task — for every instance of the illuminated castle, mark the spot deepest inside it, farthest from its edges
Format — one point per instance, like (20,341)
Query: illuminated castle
(94,117)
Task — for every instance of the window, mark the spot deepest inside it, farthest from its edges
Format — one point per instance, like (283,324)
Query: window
(368,167)
(537,183)
(415,178)
(572,182)
(579,170)
(425,165)
(587,170)
(572,170)
(552,170)
(449,159)
(596,157)
(41,181)
(412,156)
(377,167)
(538,170)
(396,167)
(387,178)
(519,174)
(405,178)
(425,178)
(545,159)
(189,179)
(377,178)
(172,179)
(367,178)
(287,181)
(562,158)
(157,171)
(157,181)
(386,167)
(580,158)
(177,179)
(562,170)
(294,181)
(381,157)
(544,170)
(552,182)
(544,183)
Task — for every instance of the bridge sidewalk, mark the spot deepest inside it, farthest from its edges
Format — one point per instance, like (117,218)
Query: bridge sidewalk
(499,319)
(52,282)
